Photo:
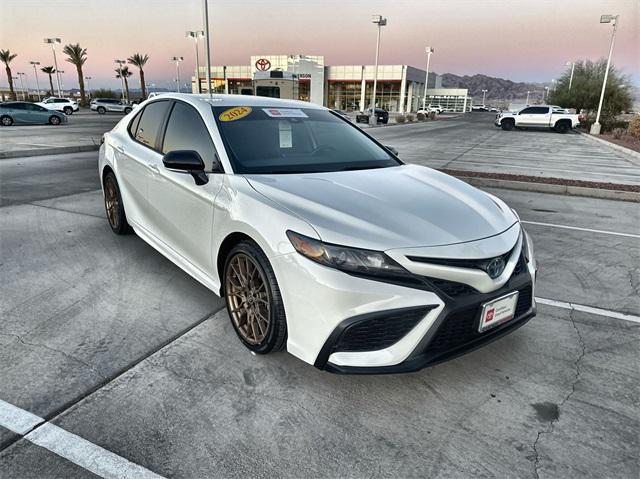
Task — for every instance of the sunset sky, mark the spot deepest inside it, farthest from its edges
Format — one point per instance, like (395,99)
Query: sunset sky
(522,40)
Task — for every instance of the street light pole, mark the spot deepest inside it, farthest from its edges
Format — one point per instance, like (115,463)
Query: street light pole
(381,22)
(177,61)
(573,66)
(595,128)
(53,42)
(546,90)
(88,87)
(428,51)
(195,35)
(528,92)
(205,12)
(35,71)
(484,95)
(21,75)
(120,63)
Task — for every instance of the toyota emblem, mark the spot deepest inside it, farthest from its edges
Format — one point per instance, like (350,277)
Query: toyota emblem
(263,64)
(495,267)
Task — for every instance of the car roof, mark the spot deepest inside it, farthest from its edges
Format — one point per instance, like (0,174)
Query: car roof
(237,100)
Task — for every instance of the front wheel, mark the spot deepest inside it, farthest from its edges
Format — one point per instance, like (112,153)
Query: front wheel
(114,207)
(507,125)
(253,299)
(6,120)
(127,111)
(54,120)
(67,110)
(101,110)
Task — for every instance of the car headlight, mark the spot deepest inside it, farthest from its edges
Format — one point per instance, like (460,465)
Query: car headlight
(351,260)
(528,250)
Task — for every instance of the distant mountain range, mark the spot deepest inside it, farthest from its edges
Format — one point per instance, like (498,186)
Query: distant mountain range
(498,88)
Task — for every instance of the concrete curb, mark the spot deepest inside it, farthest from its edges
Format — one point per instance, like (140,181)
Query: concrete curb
(59,150)
(611,145)
(553,189)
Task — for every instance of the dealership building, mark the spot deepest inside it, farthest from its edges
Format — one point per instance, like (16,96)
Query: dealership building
(400,88)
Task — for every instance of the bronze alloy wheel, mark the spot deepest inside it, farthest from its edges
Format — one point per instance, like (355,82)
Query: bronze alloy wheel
(248,298)
(111,202)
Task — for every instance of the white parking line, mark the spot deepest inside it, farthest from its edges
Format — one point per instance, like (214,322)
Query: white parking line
(577,228)
(589,309)
(75,449)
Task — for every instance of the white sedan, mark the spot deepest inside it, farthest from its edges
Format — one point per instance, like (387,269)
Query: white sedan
(320,239)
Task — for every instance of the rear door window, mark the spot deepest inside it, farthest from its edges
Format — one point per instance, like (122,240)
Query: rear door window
(150,123)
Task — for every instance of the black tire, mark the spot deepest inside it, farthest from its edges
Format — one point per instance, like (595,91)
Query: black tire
(507,125)
(127,110)
(101,110)
(275,336)
(6,120)
(562,127)
(113,206)
(54,120)
(68,110)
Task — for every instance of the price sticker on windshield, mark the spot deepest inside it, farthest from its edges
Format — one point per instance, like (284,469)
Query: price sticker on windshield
(285,113)
(234,113)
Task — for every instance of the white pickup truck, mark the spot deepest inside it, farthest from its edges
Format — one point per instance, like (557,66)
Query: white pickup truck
(539,116)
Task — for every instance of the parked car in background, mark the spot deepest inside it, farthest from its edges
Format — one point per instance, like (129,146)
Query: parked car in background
(26,113)
(104,105)
(479,108)
(318,237)
(539,116)
(60,104)
(382,116)
(437,108)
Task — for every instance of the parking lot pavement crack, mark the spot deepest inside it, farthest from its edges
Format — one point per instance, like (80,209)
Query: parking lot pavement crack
(552,424)
(58,351)
(65,211)
(446,165)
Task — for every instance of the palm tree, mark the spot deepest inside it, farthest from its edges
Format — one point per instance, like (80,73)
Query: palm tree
(49,71)
(139,60)
(125,73)
(6,56)
(77,56)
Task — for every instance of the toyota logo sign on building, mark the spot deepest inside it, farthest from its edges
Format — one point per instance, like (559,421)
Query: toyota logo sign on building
(263,64)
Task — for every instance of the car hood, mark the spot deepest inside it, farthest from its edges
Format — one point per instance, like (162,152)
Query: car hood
(386,208)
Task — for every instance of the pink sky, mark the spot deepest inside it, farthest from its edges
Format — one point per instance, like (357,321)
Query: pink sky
(522,40)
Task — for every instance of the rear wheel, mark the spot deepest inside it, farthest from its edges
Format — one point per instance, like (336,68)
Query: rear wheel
(507,125)
(67,110)
(101,110)
(114,207)
(253,299)
(127,110)
(6,120)
(562,127)
(54,120)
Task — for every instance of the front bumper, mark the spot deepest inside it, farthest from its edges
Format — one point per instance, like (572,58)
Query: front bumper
(348,324)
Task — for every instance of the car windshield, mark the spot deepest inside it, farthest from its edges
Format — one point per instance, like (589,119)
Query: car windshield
(295,140)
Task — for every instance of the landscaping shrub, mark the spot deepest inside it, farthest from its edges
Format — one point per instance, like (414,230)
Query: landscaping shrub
(634,127)
(400,118)
(618,133)
(410,117)
(421,116)
(432,115)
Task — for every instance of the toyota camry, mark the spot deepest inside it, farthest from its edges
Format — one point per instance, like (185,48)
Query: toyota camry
(320,239)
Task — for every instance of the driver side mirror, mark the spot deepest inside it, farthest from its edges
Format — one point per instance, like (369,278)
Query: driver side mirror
(391,149)
(186,161)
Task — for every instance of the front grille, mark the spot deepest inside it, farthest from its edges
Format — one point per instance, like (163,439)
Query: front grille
(460,327)
(379,332)
(451,288)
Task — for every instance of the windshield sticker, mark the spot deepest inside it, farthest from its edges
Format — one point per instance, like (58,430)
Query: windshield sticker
(286,136)
(285,113)
(234,113)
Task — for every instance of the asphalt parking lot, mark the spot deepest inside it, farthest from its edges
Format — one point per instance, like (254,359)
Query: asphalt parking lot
(104,338)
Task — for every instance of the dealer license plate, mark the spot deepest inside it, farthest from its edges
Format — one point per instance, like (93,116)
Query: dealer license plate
(498,311)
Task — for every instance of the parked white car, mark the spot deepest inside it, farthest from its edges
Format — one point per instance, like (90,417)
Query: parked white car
(538,116)
(431,109)
(104,105)
(320,239)
(60,104)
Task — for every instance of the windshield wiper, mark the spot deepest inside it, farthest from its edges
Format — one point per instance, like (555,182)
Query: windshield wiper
(371,167)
